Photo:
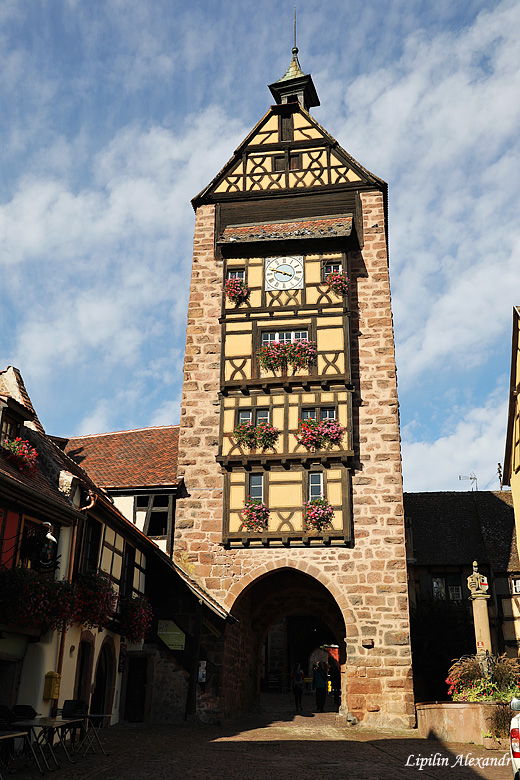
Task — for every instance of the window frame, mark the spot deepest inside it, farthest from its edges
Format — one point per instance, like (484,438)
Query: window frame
(328,264)
(253,415)
(310,485)
(292,340)
(234,273)
(261,485)
(318,412)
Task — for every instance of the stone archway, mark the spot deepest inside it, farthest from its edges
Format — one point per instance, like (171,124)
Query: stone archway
(282,594)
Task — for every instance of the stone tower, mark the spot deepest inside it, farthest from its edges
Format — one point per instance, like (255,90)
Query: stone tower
(316,362)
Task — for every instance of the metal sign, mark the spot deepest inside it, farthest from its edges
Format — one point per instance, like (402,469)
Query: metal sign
(171,634)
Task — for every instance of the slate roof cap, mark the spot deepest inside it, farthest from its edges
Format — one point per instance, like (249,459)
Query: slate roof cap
(456,528)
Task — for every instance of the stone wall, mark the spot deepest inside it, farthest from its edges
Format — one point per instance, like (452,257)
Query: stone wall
(367,581)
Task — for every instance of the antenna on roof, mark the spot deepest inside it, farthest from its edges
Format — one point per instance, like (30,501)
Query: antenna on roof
(472,478)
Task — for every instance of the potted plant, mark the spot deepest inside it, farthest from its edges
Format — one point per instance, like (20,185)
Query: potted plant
(245,434)
(301,354)
(255,515)
(309,434)
(338,282)
(22,597)
(236,290)
(34,600)
(266,435)
(95,600)
(317,514)
(135,616)
(319,434)
(22,455)
(272,356)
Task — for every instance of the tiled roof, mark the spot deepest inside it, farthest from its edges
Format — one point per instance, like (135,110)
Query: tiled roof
(455,528)
(322,227)
(37,482)
(146,457)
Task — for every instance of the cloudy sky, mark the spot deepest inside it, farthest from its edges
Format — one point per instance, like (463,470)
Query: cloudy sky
(115,113)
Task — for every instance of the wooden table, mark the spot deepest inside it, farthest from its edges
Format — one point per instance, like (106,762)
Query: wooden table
(24,736)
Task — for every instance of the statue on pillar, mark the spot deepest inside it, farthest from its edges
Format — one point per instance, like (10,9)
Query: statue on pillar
(477,583)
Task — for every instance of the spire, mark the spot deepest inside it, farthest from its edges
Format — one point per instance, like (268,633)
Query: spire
(295,84)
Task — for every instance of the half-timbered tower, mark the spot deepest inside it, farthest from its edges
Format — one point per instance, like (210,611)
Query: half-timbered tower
(289,436)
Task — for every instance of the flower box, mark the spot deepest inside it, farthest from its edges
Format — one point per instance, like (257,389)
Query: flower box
(263,435)
(23,457)
(338,282)
(255,515)
(236,290)
(135,617)
(266,435)
(317,514)
(272,356)
(276,355)
(95,600)
(319,434)
(30,599)
(245,434)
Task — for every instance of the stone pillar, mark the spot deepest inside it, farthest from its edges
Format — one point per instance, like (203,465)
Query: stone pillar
(478,585)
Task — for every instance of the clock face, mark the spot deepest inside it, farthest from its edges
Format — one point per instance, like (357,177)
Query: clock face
(284,273)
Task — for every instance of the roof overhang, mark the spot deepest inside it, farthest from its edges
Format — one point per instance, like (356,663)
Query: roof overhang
(336,226)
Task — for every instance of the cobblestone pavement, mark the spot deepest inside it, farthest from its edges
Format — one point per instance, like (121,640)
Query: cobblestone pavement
(275,743)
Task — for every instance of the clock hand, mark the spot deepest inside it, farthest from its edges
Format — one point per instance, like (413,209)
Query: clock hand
(285,273)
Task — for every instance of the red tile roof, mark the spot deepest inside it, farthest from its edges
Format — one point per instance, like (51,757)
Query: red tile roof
(146,457)
(320,227)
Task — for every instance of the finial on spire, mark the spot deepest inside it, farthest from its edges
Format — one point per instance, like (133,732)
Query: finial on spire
(294,84)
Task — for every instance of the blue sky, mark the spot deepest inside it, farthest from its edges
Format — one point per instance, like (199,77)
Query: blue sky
(115,114)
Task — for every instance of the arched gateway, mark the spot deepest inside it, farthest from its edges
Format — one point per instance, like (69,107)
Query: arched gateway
(283,618)
(289,434)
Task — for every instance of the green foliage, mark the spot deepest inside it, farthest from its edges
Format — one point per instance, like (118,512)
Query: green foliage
(494,678)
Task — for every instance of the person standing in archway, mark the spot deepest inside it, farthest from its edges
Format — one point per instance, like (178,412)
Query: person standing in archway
(298,682)
(320,682)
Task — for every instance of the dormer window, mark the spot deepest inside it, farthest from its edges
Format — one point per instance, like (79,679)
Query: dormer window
(10,428)
(12,417)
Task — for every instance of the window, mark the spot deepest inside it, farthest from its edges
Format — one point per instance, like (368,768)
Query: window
(236,273)
(278,164)
(294,163)
(112,554)
(10,428)
(92,542)
(285,336)
(256,486)
(315,485)
(447,586)
(260,415)
(331,268)
(515,586)
(286,127)
(325,413)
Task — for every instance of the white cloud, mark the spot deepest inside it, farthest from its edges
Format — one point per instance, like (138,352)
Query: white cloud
(476,445)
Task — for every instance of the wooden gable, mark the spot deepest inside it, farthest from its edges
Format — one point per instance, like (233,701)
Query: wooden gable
(287,151)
